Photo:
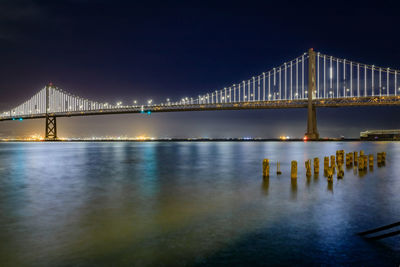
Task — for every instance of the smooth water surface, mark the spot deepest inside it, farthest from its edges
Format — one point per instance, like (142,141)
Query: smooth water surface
(191,203)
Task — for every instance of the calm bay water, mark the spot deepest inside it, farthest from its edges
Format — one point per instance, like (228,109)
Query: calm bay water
(189,203)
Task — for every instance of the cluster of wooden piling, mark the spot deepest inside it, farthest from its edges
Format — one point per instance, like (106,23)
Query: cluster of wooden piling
(362,161)
(333,164)
(266,168)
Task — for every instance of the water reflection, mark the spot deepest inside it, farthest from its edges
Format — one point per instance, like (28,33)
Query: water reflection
(293,188)
(371,168)
(308,181)
(265,185)
(330,186)
(185,203)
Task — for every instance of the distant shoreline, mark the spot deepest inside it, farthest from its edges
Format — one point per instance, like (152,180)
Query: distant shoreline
(196,140)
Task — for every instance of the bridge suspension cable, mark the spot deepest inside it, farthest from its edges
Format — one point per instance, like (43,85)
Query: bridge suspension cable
(336,78)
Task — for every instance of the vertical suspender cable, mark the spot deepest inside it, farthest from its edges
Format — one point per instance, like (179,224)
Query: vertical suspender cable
(254,88)
(358,80)
(351,78)
(324,76)
(286,81)
(380,81)
(297,78)
(365,80)
(264,86)
(280,91)
(337,78)
(291,80)
(302,76)
(331,75)
(344,77)
(225,95)
(387,82)
(269,85)
(248,91)
(372,81)
(244,91)
(317,73)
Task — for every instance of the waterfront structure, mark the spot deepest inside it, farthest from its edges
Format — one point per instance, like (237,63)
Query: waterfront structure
(309,81)
(388,135)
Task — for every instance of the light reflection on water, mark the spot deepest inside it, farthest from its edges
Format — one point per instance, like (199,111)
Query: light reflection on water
(191,203)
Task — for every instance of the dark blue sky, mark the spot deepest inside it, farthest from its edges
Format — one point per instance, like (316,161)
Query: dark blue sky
(119,51)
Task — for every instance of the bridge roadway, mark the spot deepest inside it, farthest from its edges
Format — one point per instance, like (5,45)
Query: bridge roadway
(274,104)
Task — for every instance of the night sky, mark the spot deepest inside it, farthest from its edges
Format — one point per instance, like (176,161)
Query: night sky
(117,51)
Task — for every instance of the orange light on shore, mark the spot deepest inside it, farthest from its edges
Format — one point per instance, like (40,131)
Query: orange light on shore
(305,138)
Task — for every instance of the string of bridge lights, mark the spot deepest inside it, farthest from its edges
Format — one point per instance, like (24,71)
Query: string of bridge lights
(335,78)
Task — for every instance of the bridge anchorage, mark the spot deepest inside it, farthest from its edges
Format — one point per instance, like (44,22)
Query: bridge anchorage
(312,80)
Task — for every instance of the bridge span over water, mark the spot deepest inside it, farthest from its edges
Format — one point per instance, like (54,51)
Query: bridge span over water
(309,81)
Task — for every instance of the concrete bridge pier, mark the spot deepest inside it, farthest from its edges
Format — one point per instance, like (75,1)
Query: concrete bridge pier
(312,132)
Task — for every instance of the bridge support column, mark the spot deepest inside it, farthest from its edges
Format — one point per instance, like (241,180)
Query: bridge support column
(51,121)
(51,128)
(312,132)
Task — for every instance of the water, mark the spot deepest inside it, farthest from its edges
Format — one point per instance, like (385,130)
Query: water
(193,204)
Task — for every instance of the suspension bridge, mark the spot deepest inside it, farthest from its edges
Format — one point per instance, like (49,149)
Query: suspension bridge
(309,81)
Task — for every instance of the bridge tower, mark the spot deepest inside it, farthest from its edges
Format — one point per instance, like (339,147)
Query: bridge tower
(51,121)
(312,133)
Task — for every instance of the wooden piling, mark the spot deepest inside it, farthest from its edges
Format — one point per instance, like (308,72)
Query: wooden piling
(293,171)
(371,160)
(278,168)
(308,167)
(265,168)
(316,165)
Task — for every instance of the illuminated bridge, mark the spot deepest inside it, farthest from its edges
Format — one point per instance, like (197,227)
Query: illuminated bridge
(309,81)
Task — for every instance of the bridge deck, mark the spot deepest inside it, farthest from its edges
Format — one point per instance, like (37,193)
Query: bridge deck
(276,104)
